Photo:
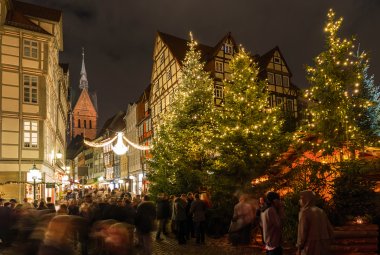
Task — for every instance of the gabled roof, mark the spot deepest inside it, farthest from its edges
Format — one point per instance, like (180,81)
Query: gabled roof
(178,47)
(18,13)
(264,60)
(218,46)
(83,97)
(37,11)
(17,19)
(114,124)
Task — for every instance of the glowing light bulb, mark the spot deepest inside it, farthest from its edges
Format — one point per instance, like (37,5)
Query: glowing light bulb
(119,147)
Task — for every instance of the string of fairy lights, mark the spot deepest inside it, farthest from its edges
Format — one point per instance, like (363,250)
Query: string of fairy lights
(119,147)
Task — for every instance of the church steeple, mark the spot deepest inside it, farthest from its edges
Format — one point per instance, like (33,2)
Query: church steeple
(83,83)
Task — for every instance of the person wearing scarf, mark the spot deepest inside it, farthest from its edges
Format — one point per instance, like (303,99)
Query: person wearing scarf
(314,229)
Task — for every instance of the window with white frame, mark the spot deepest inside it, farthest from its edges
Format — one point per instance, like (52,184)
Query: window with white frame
(228,48)
(218,66)
(218,91)
(30,49)
(270,78)
(30,134)
(278,79)
(30,89)
(277,60)
(285,80)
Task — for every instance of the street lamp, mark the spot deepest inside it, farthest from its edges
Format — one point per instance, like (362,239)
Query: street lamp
(35,175)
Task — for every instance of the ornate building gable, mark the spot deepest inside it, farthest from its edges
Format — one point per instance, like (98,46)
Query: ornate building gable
(283,92)
(218,64)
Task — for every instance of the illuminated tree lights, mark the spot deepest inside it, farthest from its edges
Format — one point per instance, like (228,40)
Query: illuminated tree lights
(249,134)
(183,141)
(336,101)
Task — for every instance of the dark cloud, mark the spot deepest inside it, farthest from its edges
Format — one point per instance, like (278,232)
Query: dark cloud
(119,35)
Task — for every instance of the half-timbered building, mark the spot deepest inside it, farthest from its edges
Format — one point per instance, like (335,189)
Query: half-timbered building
(169,53)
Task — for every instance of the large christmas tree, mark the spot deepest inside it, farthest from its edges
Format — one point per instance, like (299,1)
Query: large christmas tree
(250,134)
(335,99)
(182,145)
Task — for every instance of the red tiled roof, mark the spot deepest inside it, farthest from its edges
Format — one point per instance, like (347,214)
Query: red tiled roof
(17,19)
(37,11)
(178,47)
(17,16)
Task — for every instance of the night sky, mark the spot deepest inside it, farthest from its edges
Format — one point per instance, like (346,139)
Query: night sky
(118,36)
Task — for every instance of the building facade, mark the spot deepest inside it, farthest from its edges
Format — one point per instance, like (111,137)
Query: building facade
(34,99)
(169,52)
(145,132)
(135,173)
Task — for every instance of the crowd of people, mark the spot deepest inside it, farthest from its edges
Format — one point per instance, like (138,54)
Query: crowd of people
(100,223)
(118,223)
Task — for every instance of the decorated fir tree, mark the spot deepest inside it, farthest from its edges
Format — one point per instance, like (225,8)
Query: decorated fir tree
(181,151)
(335,99)
(250,134)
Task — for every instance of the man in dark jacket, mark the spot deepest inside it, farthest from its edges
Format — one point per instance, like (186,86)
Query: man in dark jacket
(163,213)
(144,221)
(180,218)
(190,224)
(198,210)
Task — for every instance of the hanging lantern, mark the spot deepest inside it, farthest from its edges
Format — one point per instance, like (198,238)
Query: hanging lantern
(119,147)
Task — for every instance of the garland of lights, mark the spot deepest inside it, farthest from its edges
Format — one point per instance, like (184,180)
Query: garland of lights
(119,148)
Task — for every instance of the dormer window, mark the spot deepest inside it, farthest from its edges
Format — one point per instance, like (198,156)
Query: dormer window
(277,60)
(228,48)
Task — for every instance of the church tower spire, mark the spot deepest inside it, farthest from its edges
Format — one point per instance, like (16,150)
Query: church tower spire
(83,83)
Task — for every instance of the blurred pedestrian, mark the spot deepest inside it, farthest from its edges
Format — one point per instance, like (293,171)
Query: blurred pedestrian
(314,229)
(144,221)
(49,204)
(272,226)
(42,205)
(173,225)
(189,225)
(180,218)
(57,240)
(198,211)
(163,212)
(241,224)
(119,239)
(258,225)
(5,223)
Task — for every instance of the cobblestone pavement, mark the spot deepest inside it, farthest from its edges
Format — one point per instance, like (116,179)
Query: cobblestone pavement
(169,246)
(220,246)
